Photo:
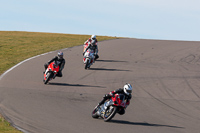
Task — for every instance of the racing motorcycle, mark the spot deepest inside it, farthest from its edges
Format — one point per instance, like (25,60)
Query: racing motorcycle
(108,110)
(50,72)
(96,56)
(88,58)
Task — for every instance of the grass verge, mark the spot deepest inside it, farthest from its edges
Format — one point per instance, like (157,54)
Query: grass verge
(17,46)
(5,127)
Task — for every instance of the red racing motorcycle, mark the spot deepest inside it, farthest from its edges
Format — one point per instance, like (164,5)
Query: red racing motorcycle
(50,72)
(108,110)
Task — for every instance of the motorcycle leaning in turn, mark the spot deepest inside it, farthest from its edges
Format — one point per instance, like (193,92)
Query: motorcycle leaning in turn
(50,72)
(110,107)
(88,58)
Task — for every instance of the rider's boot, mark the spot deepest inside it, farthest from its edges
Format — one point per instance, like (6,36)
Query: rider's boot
(54,76)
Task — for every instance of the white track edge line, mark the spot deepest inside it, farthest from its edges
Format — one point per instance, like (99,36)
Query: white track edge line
(25,61)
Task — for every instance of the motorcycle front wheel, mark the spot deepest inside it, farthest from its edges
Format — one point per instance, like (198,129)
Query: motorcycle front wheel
(110,113)
(47,78)
(94,113)
(87,64)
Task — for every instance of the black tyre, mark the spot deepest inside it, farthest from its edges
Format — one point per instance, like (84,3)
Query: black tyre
(110,113)
(86,65)
(94,113)
(47,78)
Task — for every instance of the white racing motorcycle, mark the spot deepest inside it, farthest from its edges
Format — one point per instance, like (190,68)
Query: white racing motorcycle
(88,58)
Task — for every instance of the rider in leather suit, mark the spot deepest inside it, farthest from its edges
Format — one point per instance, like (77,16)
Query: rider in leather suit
(60,61)
(92,46)
(127,90)
(90,40)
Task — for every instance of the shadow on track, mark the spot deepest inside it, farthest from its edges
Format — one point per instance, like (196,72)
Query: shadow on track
(105,69)
(75,85)
(141,124)
(110,61)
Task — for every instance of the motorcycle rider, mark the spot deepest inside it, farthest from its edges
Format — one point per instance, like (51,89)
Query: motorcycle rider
(127,90)
(93,47)
(93,38)
(59,60)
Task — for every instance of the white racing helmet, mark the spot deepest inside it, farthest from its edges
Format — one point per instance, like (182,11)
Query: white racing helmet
(93,37)
(127,89)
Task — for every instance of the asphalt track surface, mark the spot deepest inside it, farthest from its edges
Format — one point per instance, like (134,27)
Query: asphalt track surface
(165,77)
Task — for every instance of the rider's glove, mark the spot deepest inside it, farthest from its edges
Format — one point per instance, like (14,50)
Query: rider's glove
(107,96)
(111,94)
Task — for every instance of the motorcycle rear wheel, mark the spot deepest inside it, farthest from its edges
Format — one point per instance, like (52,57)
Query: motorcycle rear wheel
(110,113)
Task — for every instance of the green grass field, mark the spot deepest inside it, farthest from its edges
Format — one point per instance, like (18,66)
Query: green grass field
(17,46)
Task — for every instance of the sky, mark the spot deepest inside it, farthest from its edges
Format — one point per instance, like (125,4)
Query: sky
(142,19)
